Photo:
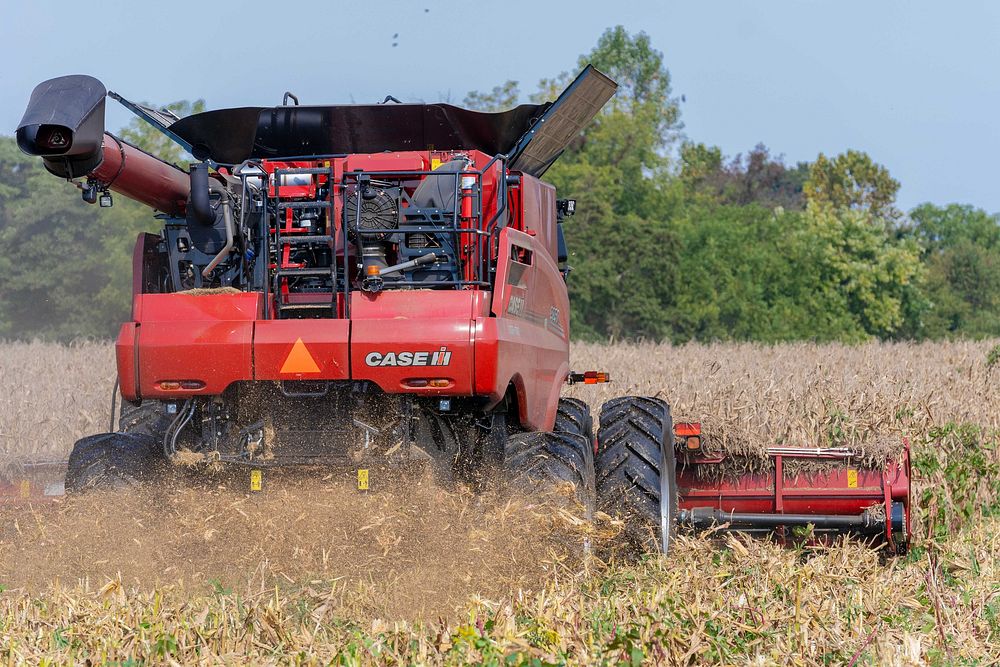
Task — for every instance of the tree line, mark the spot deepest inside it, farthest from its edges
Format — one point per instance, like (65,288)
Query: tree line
(672,239)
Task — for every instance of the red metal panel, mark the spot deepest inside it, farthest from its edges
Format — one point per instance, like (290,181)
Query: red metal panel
(538,202)
(386,162)
(529,337)
(841,489)
(204,339)
(125,357)
(404,335)
(326,342)
(181,308)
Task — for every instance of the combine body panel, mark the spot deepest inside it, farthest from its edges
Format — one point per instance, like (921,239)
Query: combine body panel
(528,333)
(379,284)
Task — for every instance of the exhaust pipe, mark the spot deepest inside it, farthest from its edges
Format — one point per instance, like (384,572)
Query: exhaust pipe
(201,207)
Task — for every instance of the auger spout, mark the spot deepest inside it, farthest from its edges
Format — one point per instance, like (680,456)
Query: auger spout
(64,125)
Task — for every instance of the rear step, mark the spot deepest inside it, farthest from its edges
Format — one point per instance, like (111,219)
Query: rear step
(304,204)
(306,306)
(305,272)
(301,240)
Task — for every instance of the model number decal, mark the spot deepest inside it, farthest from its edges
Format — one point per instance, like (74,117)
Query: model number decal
(440,358)
(515,306)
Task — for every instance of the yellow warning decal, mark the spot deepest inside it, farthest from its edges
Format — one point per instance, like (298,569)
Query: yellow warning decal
(256,479)
(299,360)
(24,488)
(362,479)
(852,478)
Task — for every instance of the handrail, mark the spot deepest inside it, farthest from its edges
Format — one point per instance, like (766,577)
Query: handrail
(473,244)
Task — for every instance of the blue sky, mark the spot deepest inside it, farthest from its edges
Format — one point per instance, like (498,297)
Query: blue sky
(914,83)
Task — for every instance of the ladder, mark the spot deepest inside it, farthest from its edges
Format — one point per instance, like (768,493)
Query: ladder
(287,237)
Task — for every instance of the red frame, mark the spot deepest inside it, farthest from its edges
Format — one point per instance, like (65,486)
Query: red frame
(843,490)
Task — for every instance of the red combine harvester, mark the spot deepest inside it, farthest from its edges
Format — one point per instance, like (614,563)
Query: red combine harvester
(379,284)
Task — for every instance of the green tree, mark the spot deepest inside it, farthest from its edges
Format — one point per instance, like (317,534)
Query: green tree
(751,273)
(878,274)
(64,266)
(940,227)
(852,180)
(624,268)
(756,177)
(961,252)
(621,243)
(851,209)
(634,132)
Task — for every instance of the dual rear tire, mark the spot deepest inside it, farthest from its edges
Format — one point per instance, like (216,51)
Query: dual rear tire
(558,462)
(632,476)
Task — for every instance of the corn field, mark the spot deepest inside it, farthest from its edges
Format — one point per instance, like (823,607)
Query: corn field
(311,572)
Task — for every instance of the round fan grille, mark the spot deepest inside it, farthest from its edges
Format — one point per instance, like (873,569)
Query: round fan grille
(378,212)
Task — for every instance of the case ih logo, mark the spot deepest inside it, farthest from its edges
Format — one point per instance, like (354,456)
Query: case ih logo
(440,358)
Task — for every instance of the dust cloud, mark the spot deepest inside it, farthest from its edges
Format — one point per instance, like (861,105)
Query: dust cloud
(407,549)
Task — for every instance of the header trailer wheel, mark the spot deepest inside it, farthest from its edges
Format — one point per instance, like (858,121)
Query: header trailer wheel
(636,470)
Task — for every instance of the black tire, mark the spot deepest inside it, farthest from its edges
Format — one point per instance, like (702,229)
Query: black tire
(636,470)
(543,462)
(573,416)
(113,461)
(148,418)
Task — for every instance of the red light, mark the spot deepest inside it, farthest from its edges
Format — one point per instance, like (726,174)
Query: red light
(684,429)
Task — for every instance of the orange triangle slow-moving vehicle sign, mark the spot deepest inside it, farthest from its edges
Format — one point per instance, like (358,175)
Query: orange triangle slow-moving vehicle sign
(299,360)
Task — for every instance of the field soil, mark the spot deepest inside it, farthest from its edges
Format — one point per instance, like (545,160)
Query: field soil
(201,570)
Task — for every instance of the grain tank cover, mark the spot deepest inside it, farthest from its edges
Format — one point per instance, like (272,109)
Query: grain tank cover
(533,136)
(230,136)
